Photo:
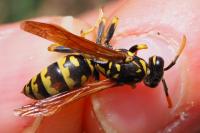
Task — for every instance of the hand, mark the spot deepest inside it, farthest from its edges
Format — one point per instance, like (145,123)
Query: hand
(119,109)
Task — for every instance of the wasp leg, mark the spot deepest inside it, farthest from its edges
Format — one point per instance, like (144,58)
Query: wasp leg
(110,32)
(88,31)
(137,47)
(169,101)
(183,43)
(59,48)
(100,32)
(84,33)
(96,75)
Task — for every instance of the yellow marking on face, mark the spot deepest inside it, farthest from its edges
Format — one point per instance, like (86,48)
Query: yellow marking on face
(108,72)
(100,68)
(74,61)
(144,66)
(138,71)
(35,88)
(90,65)
(118,67)
(47,83)
(116,76)
(136,64)
(83,79)
(110,65)
(130,53)
(66,73)
(154,60)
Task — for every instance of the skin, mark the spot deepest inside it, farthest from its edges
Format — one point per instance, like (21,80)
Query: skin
(120,109)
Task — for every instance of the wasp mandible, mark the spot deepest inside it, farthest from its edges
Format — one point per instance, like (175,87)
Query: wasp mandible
(65,81)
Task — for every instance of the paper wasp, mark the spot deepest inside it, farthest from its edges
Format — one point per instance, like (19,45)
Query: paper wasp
(65,81)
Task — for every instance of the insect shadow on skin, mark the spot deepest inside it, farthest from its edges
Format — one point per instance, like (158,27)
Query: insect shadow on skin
(65,81)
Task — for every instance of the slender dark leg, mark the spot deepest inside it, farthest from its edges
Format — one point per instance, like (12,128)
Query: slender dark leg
(169,101)
(60,49)
(96,75)
(183,43)
(100,32)
(110,32)
(98,21)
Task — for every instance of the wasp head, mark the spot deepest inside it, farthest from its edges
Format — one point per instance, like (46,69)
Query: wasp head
(156,71)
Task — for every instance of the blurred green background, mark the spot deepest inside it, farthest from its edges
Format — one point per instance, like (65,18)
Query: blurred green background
(15,10)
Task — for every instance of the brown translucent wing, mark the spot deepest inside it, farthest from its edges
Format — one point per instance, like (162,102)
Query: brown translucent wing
(61,36)
(52,104)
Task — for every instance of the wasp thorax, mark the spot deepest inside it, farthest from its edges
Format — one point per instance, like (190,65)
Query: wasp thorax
(131,70)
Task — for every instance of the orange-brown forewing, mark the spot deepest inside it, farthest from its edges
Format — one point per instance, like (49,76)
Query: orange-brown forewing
(60,35)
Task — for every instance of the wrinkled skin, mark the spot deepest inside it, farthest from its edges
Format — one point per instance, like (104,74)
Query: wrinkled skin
(119,109)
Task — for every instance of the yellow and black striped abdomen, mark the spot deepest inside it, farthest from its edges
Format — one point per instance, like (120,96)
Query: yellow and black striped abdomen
(66,74)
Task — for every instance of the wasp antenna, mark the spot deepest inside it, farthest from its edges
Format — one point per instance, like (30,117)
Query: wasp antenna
(137,47)
(183,43)
(169,101)
(110,31)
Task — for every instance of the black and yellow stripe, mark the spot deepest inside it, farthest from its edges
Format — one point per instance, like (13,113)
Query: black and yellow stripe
(133,71)
(66,74)
(72,71)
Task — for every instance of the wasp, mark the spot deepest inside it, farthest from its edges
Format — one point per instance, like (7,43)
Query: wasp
(67,80)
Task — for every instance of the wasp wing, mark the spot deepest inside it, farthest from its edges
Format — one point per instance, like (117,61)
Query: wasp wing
(52,104)
(61,36)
